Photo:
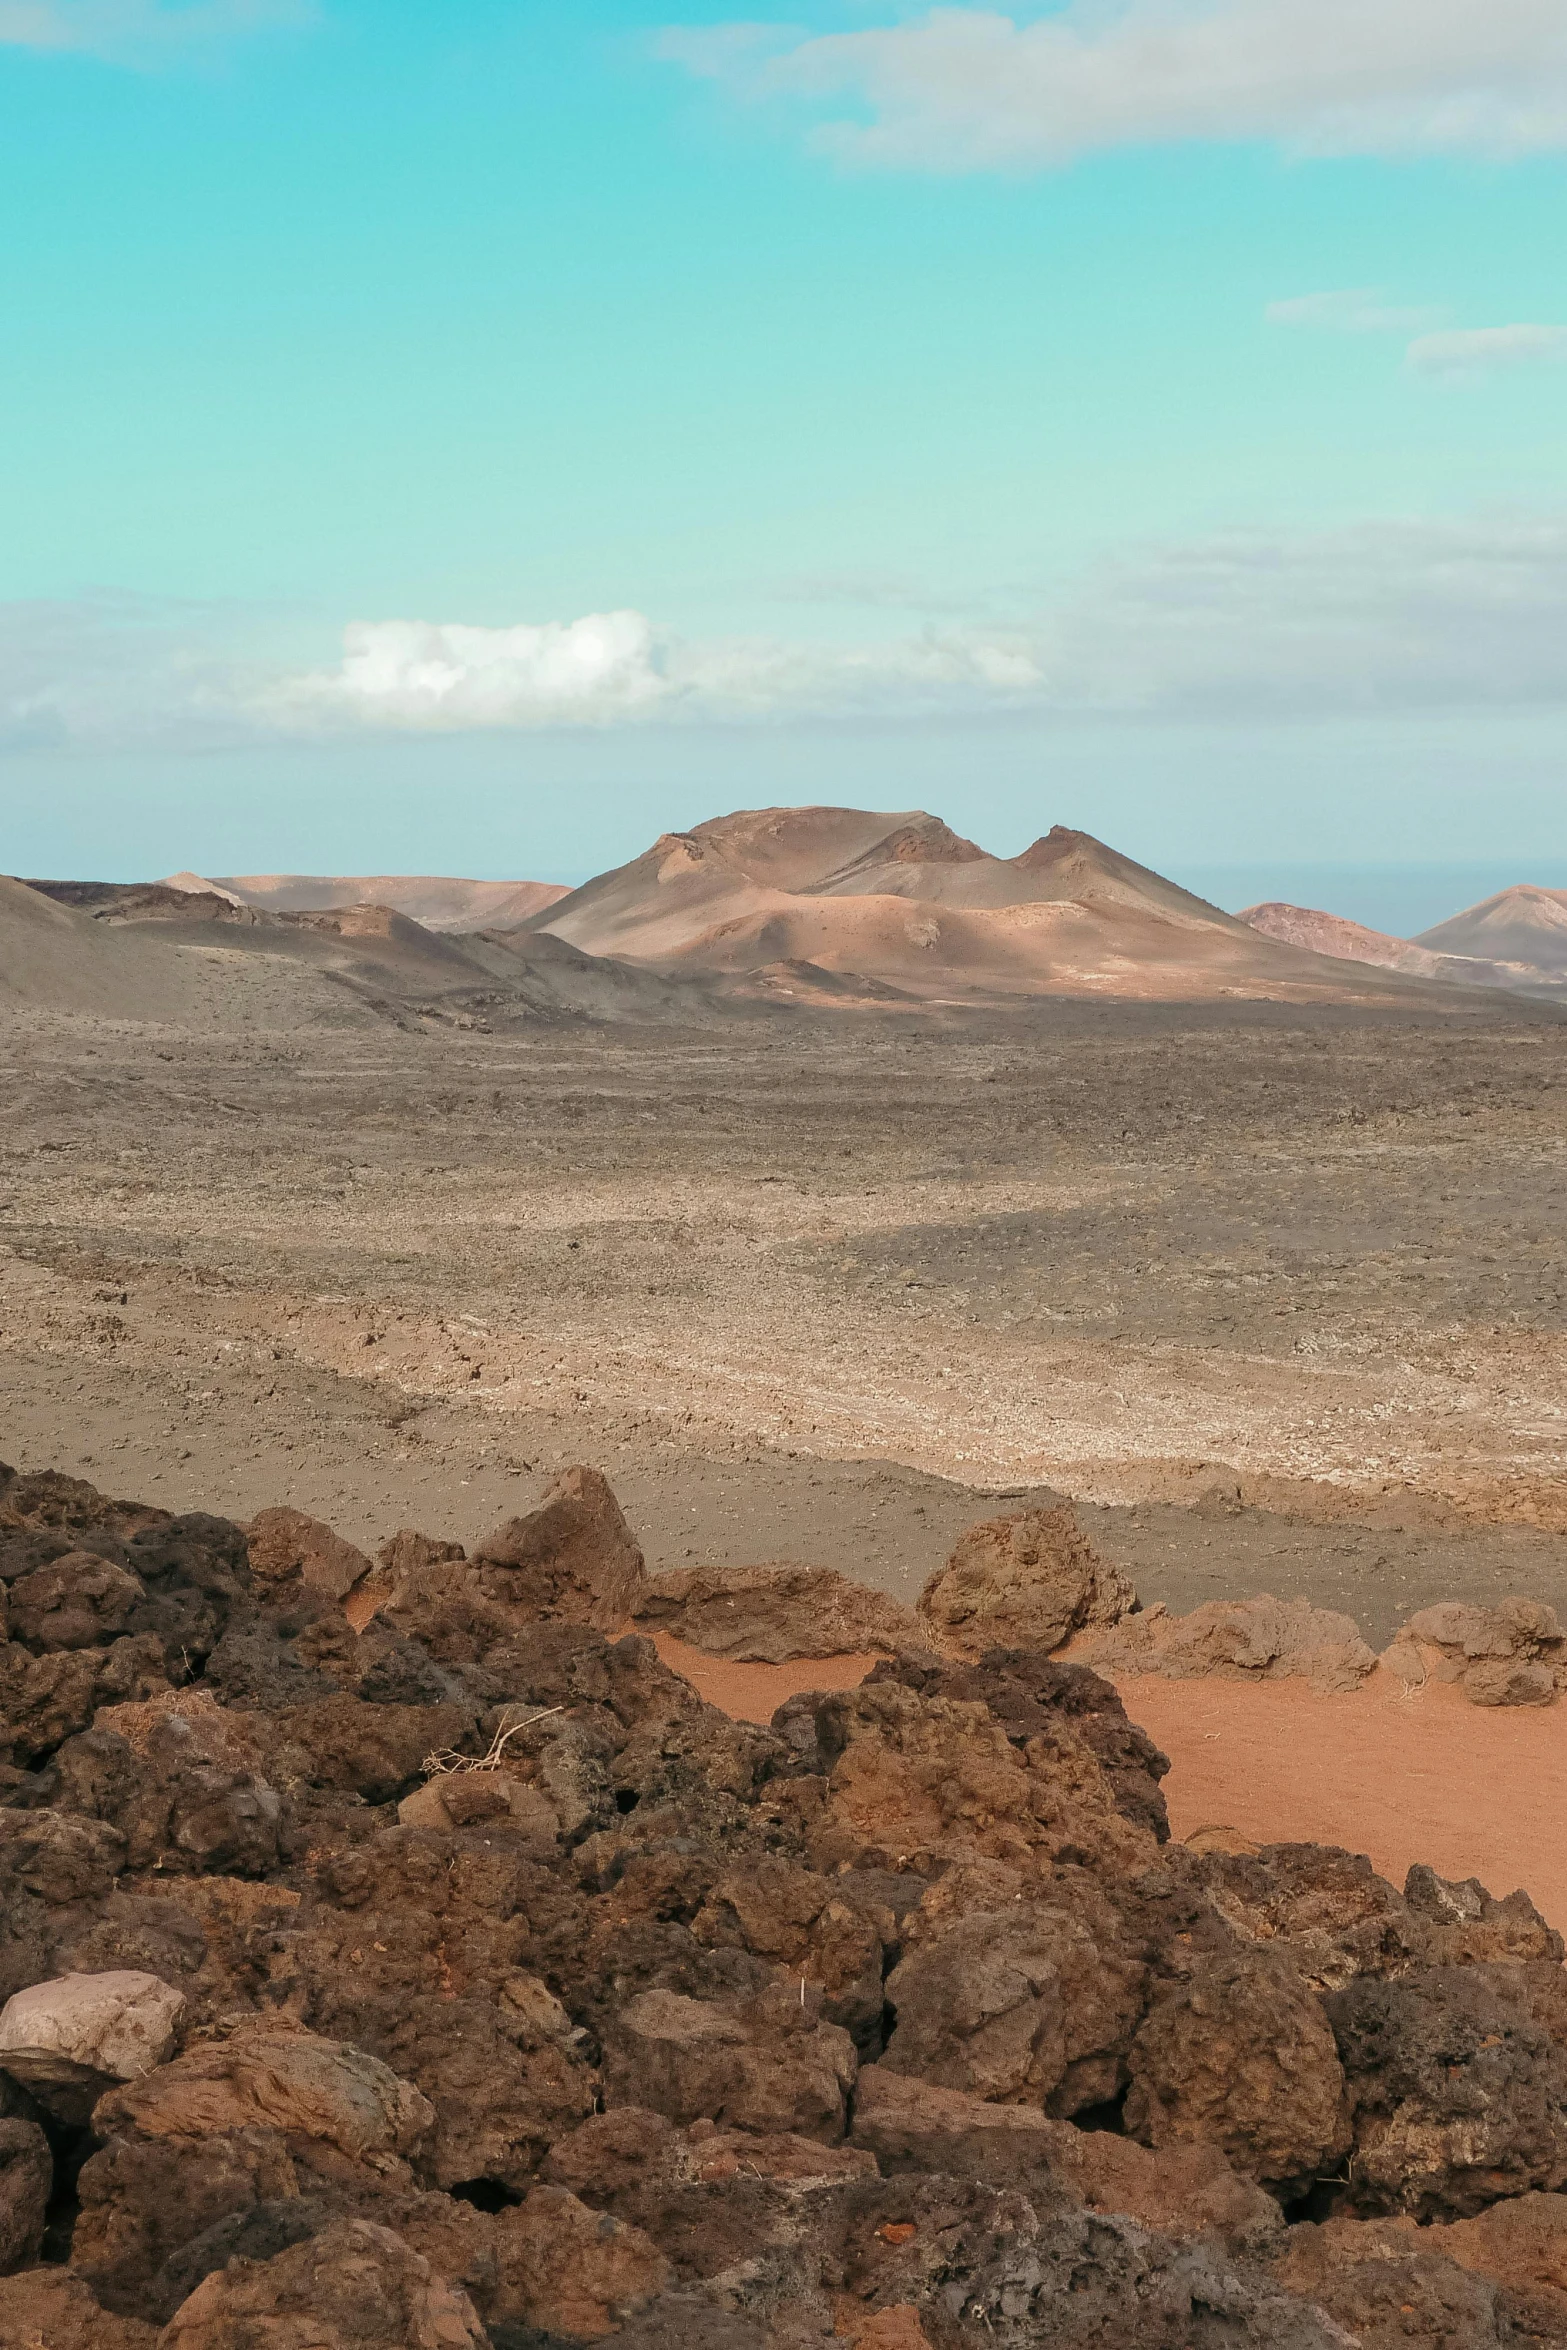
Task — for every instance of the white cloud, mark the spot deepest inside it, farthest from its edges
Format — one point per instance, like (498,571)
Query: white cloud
(1362,310)
(1476,350)
(1385,617)
(418,673)
(134,32)
(970,89)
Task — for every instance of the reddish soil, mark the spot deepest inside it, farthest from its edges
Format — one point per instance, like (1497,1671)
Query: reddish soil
(753,1693)
(1477,1793)
(1426,1777)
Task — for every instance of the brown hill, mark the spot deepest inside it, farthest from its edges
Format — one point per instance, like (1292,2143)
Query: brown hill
(146,951)
(1518,925)
(437,901)
(909,903)
(57,958)
(1332,934)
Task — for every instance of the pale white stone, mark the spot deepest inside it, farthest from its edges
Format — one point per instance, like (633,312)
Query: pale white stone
(84,2029)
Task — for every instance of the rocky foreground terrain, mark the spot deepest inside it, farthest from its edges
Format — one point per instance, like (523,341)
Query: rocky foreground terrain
(402,1957)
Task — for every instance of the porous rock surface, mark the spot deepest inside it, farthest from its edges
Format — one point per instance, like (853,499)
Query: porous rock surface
(1512,1654)
(513,1996)
(1262,1639)
(1030,1579)
(767,1615)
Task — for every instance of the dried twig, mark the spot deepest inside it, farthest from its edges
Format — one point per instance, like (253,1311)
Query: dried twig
(446,1762)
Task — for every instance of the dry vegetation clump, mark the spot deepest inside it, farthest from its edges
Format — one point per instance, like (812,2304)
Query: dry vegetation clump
(463,1978)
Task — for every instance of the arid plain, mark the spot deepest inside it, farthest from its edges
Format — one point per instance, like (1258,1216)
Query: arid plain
(1277,1292)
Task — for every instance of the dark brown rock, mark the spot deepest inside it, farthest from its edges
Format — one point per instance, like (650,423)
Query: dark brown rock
(770,1613)
(1240,2056)
(1029,1692)
(287,1547)
(573,1559)
(26,2180)
(1458,2095)
(78,1601)
(1017,2004)
(1388,2293)
(762,2064)
(53,2308)
(783,1912)
(356,2286)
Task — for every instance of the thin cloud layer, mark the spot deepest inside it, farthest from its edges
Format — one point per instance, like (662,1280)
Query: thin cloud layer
(1361,310)
(136,32)
(1385,617)
(966,89)
(1477,350)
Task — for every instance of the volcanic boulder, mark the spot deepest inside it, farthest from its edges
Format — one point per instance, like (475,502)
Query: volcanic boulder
(78,1601)
(353,2287)
(769,1614)
(572,1560)
(1240,2056)
(1458,2094)
(761,2064)
(1029,1580)
(1262,1639)
(288,1547)
(1511,1654)
(1015,2004)
(69,2040)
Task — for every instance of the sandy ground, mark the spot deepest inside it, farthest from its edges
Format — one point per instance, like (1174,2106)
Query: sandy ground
(823,1292)
(1400,1777)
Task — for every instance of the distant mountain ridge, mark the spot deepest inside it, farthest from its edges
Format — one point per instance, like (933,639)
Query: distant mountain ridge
(1332,934)
(763,911)
(1523,924)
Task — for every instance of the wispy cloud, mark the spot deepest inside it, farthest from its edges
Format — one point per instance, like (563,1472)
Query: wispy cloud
(964,88)
(1451,353)
(1386,617)
(1361,310)
(140,32)
(1480,350)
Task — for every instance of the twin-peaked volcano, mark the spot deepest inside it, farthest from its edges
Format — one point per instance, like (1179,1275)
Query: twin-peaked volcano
(908,903)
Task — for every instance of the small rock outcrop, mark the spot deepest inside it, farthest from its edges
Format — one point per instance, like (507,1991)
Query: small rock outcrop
(767,1615)
(1512,1654)
(1029,1580)
(1261,1639)
(573,1560)
(286,1547)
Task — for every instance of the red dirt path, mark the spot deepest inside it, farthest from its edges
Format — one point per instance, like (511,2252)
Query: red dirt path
(1476,1792)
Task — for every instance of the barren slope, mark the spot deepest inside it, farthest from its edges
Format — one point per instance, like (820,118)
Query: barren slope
(1519,925)
(437,901)
(56,957)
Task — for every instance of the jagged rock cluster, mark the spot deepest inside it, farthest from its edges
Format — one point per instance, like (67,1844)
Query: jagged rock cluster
(1032,1579)
(452,1974)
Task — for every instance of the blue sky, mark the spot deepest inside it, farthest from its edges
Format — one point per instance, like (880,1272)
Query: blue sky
(477,437)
